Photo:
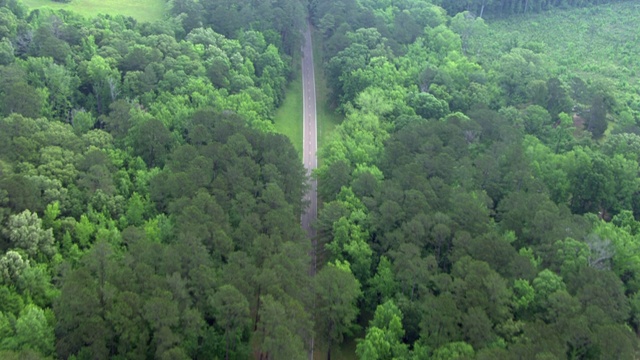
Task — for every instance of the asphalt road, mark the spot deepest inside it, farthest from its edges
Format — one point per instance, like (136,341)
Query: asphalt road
(309,149)
(309,139)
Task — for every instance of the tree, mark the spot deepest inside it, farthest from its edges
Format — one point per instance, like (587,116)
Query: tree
(537,121)
(440,319)
(118,122)
(278,339)
(383,340)
(428,106)
(25,232)
(104,81)
(22,98)
(337,291)
(232,313)
(152,142)
(469,27)
(6,52)
(33,331)
(546,284)
(597,121)
(455,350)
(12,265)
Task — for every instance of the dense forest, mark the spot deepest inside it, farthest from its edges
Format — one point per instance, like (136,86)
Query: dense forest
(480,198)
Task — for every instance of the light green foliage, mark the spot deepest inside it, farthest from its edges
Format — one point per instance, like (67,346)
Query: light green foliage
(616,247)
(350,239)
(358,140)
(25,232)
(573,255)
(545,285)
(33,330)
(384,335)
(147,10)
(6,52)
(523,294)
(288,115)
(383,285)
(12,265)
(470,29)
(105,81)
(454,350)
(84,231)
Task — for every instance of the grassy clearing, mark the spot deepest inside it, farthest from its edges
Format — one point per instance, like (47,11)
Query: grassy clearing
(141,10)
(288,117)
(328,118)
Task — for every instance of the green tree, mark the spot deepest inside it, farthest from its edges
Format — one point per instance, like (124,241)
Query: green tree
(25,232)
(384,335)
(152,142)
(105,82)
(337,291)
(12,266)
(33,331)
(22,98)
(6,52)
(232,314)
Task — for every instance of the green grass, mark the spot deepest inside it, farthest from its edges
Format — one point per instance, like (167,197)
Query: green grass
(328,118)
(288,117)
(141,10)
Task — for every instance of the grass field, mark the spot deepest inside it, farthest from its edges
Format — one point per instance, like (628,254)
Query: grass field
(328,118)
(288,118)
(141,10)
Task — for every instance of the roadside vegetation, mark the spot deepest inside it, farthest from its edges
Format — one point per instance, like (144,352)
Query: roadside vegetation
(328,117)
(288,117)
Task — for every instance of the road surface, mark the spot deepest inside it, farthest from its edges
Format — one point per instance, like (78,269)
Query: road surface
(309,140)
(309,148)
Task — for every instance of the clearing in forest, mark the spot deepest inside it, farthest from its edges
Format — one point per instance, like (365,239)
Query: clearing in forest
(141,10)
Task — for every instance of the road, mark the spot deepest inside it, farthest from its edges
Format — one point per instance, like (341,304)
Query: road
(309,140)
(309,148)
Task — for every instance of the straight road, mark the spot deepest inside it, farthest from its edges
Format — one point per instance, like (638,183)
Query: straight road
(309,148)
(309,140)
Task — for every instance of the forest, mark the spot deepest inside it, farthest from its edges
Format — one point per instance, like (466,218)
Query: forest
(480,199)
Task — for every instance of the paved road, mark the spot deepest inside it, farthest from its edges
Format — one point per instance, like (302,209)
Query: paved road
(309,139)
(309,148)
